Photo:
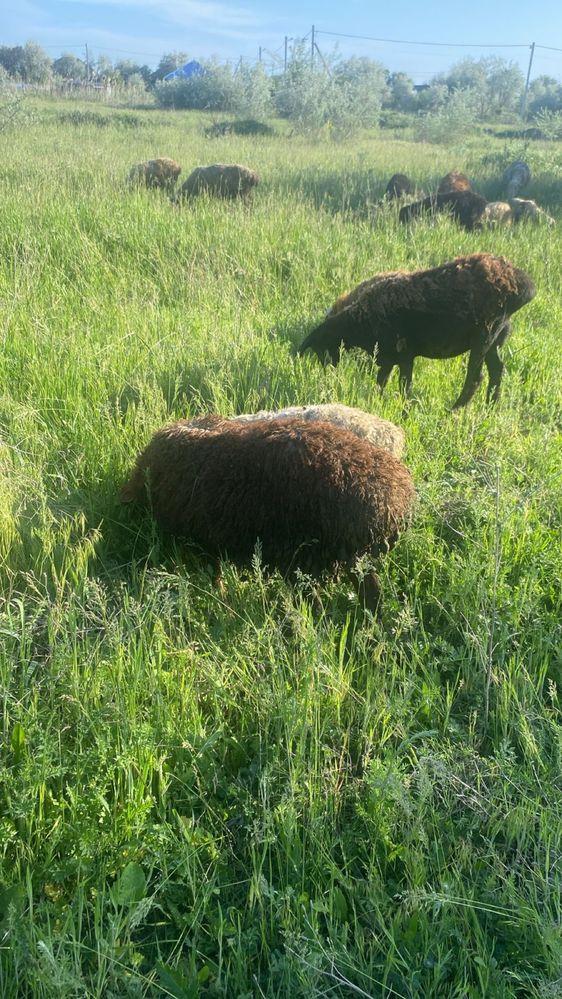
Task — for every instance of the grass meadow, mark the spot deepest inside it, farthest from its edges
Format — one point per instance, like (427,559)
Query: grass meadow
(250,793)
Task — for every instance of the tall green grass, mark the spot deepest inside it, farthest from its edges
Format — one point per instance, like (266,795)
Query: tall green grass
(247,792)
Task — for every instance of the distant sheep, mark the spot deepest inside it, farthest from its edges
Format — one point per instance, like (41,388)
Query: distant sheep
(381,433)
(497,213)
(314,495)
(461,306)
(515,178)
(523,208)
(219,180)
(466,208)
(162,173)
(454,181)
(398,185)
(516,210)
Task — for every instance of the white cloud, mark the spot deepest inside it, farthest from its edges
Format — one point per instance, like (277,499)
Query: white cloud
(196,14)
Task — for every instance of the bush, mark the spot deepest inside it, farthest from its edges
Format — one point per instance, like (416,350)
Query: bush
(246,126)
(336,97)
(218,89)
(549,123)
(451,122)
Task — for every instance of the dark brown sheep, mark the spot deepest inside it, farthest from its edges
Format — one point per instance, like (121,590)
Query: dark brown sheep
(398,185)
(466,208)
(454,181)
(460,306)
(162,172)
(220,180)
(315,495)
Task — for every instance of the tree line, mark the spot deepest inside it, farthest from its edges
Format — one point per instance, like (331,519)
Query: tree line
(333,90)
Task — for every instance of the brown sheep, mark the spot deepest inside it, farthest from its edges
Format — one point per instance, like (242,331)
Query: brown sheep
(466,208)
(454,181)
(314,495)
(220,180)
(463,305)
(515,178)
(162,173)
(398,185)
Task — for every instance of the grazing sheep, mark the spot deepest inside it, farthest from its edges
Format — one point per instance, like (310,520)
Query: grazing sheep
(398,185)
(466,208)
(523,208)
(373,428)
(221,180)
(315,495)
(462,305)
(454,181)
(161,173)
(515,178)
(497,213)
(516,210)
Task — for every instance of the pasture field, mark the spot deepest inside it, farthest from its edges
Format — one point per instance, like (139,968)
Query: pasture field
(250,793)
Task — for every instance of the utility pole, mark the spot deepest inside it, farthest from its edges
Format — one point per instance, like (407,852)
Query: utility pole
(312,44)
(286,50)
(87,64)
(526,91)
(259,54)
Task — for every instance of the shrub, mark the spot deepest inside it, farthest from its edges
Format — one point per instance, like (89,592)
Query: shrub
(550,123)
(245,126)
(451,122)
(339,97)
(218,89)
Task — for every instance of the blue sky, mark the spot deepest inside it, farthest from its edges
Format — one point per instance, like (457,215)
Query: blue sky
(144,29)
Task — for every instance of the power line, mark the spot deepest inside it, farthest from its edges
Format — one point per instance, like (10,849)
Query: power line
(402,41)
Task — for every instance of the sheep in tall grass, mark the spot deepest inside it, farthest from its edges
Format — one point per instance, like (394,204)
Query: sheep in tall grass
(516,210)
(230,180)
(463,305)
(162,173)
(398,185)
(314,495)
(515,178)
(381,433)
(497,213)
(454,181)
(524,209)
(465,207)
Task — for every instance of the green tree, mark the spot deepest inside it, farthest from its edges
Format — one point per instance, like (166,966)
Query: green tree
(544,93)
(69,67)
(168,63)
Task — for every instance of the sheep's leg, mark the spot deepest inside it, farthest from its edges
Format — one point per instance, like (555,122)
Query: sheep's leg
(496,368)
(473,376)
(369,591)
(384,372)
(406,368)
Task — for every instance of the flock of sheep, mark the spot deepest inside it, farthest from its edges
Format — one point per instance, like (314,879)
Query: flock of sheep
(321,486)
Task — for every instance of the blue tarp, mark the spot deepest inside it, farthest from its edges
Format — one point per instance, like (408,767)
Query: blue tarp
(192,68)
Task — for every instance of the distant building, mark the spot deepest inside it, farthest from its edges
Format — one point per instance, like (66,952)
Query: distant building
(190,69)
